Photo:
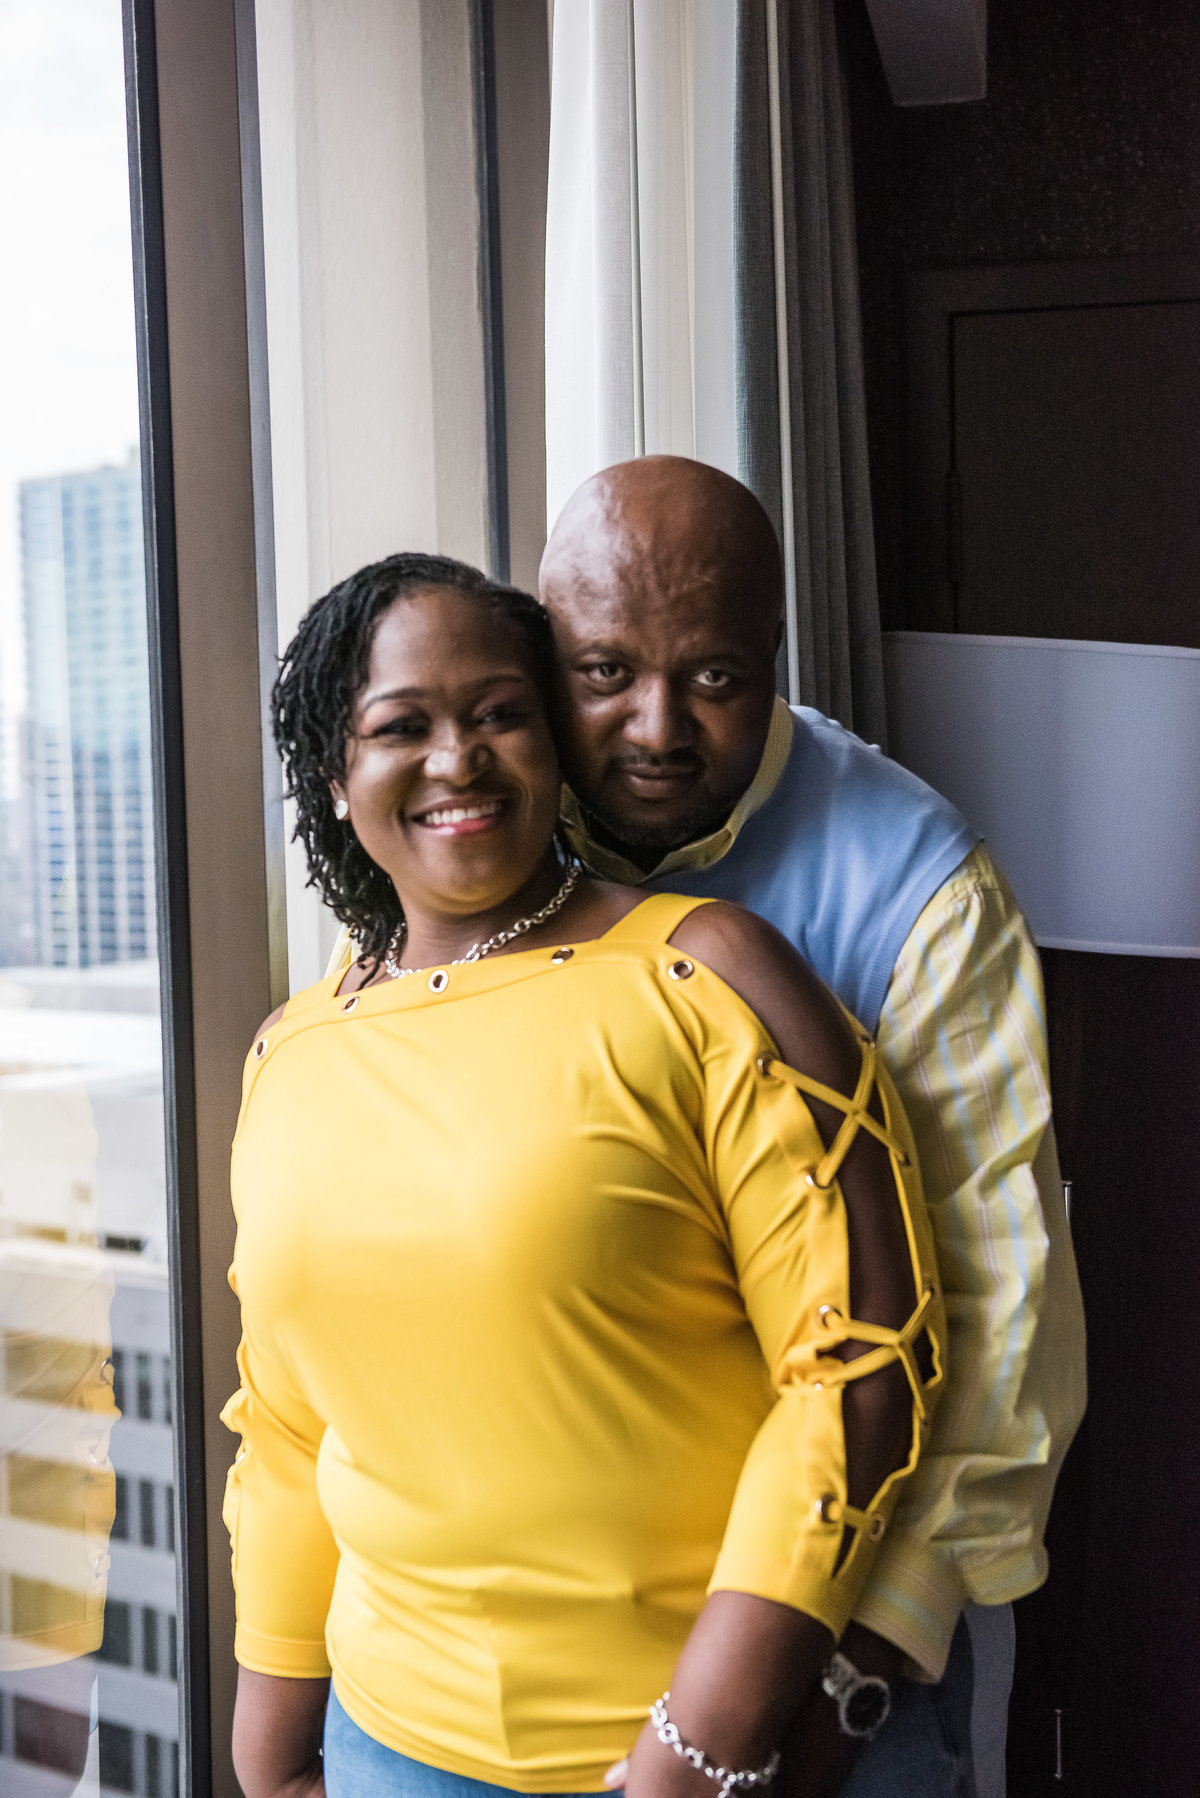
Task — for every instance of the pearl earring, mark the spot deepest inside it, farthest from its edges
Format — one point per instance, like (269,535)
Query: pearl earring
(341,810)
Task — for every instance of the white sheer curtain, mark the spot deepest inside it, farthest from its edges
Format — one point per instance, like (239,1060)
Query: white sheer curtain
(640,350)
(702,291)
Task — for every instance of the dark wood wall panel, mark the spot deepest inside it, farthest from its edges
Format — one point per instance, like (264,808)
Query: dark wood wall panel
(1114,1639)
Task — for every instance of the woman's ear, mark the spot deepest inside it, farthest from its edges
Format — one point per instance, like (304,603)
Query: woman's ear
(341,805)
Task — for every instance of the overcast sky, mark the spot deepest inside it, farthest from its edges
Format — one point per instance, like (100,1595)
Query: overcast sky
(68,384)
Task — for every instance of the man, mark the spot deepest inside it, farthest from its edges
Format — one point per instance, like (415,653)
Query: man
(664,582)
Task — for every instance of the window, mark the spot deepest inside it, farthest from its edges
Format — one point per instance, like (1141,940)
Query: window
(150,1654)
(154,1770)
(120,1528)
(117,1645)
(146,1510)
(116,1757)
(84,1314)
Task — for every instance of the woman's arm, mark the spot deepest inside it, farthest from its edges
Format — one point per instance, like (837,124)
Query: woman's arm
(277,1730)
(751,1663)
(284,1558)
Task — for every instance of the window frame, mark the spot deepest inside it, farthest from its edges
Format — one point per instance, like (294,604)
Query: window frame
(218,836)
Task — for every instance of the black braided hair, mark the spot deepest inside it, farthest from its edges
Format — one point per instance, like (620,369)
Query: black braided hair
(321,674)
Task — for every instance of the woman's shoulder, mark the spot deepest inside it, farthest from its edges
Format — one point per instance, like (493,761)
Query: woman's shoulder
(291,1009)
(799,1012)
(270,1021)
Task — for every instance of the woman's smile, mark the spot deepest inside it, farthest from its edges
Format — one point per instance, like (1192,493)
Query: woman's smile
(461,817)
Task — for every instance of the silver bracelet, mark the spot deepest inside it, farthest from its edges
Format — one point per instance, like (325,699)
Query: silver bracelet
(670,1737)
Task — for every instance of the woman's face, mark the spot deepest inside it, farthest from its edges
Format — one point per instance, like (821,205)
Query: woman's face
(451,774)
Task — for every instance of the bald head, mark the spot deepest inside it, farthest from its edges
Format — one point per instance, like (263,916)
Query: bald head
(664,583)
(680,523)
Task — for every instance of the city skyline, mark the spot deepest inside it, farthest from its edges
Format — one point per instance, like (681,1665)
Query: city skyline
(84,804)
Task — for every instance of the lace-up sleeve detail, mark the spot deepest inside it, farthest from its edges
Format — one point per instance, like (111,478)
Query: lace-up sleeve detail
(890,1345)
(793,1534)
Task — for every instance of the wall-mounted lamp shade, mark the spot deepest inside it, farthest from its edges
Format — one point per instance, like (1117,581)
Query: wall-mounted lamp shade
(1079,762)
(932,51)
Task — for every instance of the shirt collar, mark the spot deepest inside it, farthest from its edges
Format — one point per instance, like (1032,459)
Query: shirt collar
(612,865)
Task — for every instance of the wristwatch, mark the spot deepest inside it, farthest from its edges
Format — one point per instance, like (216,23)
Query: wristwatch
(864,1701)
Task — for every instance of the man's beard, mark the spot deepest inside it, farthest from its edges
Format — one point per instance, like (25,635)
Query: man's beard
(624,833)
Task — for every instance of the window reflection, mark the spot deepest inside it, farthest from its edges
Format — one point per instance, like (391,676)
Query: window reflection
(88,1636)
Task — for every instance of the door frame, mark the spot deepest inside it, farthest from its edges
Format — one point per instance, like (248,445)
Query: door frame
(933,299)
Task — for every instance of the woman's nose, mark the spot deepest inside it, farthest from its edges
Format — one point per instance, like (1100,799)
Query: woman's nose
(459,761)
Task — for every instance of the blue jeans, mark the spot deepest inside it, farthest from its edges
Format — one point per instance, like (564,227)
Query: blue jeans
(357,1766)
(947,1741)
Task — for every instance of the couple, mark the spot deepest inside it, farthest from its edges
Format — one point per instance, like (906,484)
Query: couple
(591,1330)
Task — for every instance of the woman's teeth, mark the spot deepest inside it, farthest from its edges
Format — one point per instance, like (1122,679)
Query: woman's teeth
(461,814)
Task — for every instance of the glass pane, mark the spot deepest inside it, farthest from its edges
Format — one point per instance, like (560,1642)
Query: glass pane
(88,1698)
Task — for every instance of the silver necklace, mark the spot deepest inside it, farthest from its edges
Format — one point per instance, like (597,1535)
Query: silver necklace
(478,950)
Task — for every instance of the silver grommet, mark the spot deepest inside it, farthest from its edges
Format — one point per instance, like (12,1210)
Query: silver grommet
(351,1002)
(439,980)
(875,1527)
(810,1180)
(681,970)
(818,1385)
(828,1508)
(260,1048)
(763,1064)
(561,955)
(827,1313)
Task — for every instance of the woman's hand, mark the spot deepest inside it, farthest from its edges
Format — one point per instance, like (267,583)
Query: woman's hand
(278,1725)
(737,1689)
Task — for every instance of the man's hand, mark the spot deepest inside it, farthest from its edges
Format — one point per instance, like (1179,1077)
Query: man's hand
(817,1757)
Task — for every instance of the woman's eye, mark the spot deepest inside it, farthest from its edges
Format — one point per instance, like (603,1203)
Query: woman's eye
(503,714)
(408,729)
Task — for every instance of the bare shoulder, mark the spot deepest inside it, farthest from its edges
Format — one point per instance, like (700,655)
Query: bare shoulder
(267,1022)
(793,1003)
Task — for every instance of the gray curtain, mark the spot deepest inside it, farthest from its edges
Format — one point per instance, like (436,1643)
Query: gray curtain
(806,458)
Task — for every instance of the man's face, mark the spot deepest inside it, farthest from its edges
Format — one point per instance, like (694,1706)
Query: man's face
(667,684)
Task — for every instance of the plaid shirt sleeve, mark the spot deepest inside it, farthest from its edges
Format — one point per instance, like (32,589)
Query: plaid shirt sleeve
(963,1032)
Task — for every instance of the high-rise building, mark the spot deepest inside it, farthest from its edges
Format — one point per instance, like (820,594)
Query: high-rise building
(86,776)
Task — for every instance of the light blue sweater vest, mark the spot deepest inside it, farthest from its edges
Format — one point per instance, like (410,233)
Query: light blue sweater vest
(842,859)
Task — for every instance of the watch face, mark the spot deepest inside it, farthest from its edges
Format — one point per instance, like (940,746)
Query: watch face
(866,1708)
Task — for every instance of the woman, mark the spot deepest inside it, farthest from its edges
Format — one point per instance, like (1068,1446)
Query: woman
(582,1355)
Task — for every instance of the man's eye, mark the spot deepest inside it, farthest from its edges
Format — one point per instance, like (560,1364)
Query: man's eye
(712,678)
(603,671)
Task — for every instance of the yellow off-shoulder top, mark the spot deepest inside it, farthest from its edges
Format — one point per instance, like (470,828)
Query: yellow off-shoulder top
(540,1259)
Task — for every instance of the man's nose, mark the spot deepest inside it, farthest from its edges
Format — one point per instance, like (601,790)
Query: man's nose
(657,722)
(456,758)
